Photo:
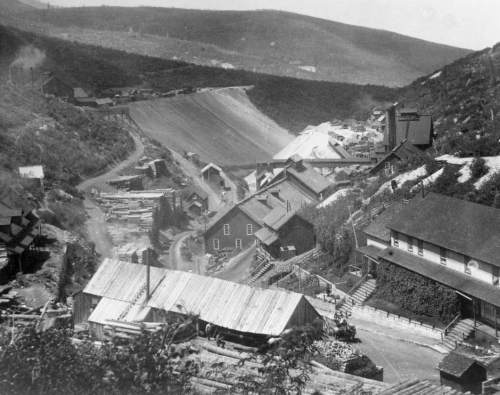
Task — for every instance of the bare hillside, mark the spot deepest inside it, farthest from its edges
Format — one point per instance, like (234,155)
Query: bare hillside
(221,125)
(272,42)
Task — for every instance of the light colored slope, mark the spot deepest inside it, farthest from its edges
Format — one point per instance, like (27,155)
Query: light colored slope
(221,125)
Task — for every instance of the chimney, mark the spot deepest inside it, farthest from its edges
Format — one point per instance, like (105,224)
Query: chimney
(390,127)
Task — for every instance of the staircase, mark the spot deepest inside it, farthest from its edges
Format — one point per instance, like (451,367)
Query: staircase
(419,387)
(458,333)
(359,296)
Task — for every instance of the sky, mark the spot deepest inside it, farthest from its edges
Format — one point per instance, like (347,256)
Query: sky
(472,24)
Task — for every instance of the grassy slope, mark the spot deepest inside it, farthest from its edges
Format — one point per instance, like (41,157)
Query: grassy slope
(271,42)
(293,103)
(70,143)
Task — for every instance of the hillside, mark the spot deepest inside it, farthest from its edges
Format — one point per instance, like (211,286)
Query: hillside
(70,143)
(464,99)
(271,42)
(221,125)
(292,103)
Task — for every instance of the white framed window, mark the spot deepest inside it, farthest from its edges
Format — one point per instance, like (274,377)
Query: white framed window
(442,256)
(249,229)
(237,243)
(420,244)
(227,230)
(396,239)
(409,240)
(216,244)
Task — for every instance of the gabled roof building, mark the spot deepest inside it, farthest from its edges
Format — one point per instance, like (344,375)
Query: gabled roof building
(120,291)
(451,241)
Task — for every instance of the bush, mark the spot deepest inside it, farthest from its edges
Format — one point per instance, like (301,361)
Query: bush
(478,168)
(415,293)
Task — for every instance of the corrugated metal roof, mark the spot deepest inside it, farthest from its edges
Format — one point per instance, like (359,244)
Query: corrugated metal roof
(226,304)
(123,281)
(111,309)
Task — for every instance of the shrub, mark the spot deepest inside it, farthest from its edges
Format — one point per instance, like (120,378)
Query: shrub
(416,293)
(478,168)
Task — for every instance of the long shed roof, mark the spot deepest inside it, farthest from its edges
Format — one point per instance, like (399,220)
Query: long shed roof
(226,304)
(468,228)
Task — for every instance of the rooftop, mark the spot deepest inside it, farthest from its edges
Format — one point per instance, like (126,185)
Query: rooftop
(378,227)
(456,364)
(467,228)
(226,304)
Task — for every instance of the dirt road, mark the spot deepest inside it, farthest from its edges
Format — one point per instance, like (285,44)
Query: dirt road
(177,262)
(137,154)
(96,227)
(238,268)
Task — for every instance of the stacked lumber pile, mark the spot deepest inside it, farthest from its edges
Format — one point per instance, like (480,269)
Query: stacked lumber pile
(135,207)
(336,351)
(116,329)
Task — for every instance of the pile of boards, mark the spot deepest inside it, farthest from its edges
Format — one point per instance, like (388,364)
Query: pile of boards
(135,207)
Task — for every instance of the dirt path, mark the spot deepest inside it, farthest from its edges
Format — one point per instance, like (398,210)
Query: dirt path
(238,268)
(113,173)
(97,229)
(177,262)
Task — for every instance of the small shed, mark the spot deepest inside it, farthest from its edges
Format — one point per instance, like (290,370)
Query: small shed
(462,373)
(212,173)
(57,87)
(196,199)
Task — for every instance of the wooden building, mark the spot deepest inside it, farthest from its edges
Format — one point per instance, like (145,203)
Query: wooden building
(124,292)
(196,200)
(451,241)
(462,373)
(57,87)
(285,231)
(410,125)
(389,163)
(235,227)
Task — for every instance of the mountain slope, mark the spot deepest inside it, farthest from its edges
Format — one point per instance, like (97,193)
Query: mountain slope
(464,99)
(221,125)
(272,42)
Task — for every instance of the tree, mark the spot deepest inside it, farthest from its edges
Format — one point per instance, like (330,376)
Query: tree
(496,202)
(478,167)
(49,363)
(166,213)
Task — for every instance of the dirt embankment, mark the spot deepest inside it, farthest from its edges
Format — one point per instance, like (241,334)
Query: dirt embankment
(221,125)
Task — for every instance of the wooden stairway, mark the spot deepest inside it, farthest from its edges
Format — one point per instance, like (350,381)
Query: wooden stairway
(359,296)
(458,333)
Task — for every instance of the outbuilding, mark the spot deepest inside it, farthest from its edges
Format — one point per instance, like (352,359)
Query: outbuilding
(462,373)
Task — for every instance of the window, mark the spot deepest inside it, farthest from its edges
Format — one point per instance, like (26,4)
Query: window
(420,244)
(227,230)
(495,274)
(466,265)
(216,244)
(409,240)
(238,243)
(249,229)
(396,240)
(442,255)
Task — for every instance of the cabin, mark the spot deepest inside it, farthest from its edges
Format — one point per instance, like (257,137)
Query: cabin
(212,173)
(462,373)
(235,228)
(196,200)
(128,292)
(389,163)
(451,241)
(410,125)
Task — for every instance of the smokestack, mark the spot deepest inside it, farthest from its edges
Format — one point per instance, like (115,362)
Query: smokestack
(391,127)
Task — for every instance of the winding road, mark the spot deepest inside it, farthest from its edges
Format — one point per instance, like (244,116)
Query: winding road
(96,227)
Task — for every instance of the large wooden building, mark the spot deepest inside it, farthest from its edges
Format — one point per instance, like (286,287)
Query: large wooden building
(120,291)
(451,241)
